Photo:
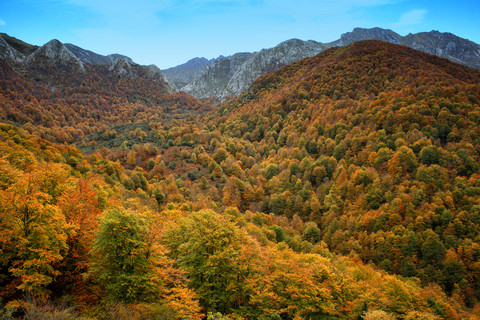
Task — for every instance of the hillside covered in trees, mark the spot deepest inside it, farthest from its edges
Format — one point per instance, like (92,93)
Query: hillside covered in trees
(346,185)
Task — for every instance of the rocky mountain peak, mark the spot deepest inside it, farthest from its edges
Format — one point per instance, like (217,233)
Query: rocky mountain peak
(9,53)
(446,45)
(154,73)
(55,54)
(125,68)
(213,79)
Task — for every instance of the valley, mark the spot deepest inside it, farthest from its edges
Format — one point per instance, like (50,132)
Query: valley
(343,184)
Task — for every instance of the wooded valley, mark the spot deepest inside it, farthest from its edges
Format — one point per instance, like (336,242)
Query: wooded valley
(346,185)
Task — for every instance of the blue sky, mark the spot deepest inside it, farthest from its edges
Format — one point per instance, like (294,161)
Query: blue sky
(170,32)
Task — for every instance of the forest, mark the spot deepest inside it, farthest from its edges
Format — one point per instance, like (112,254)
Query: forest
(343,186)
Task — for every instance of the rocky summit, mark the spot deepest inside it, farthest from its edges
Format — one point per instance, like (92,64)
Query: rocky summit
(54,54)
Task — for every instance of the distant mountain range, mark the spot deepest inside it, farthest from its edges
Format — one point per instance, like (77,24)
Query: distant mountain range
(230,76)
(185,73)
(54,56)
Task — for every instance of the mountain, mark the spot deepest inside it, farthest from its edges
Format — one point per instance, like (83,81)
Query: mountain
(232,75)
(215,81)
(21,50)
(183,74)
(22,47)
(127,69)
(60,96)
(87,56)
(55,62)
(53,55)
(359,34)
(7,52)
(379,145)
(445,45)
(341,186)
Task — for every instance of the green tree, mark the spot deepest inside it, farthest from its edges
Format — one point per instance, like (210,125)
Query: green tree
(311,232)
(433,250)
(124,260)
(217,258)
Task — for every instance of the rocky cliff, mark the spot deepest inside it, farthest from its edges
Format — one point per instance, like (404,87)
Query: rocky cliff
(183,74)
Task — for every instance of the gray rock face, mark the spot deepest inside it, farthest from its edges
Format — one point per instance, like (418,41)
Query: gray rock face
(121,68)
(127,69)
(446,45)
(220,80)
(9,53)
(268,60)
(54,54)
(442,44)
(22,47)
(359,34)
(213,80)
(183,74)
(155,74)
(231,76)
(87,56)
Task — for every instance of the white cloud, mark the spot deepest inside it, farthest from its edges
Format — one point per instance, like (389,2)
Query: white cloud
(410,18)
(2,23)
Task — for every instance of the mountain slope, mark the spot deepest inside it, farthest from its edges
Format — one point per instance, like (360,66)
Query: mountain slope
(379,144)
(370,151)
(445,45)
(53,55)
(22,47)
(230,76)
(212,82)
(63,99)
(7,52)
(56,62)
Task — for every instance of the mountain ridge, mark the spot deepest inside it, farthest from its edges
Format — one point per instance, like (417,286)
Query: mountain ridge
(54,55)
(206,84)
(91,57)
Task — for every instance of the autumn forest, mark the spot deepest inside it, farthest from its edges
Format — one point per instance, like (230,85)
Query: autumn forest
(343,186)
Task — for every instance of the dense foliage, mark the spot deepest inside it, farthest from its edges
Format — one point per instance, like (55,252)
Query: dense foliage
(346,185)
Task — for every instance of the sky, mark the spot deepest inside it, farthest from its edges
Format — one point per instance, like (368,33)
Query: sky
(170,32)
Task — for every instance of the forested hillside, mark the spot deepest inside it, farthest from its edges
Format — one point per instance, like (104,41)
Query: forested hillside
(345,185)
